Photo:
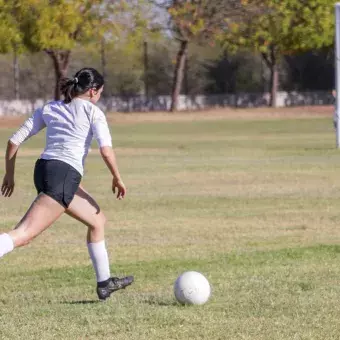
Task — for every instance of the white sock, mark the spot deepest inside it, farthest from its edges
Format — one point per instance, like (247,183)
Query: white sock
(6,244)
(100,260)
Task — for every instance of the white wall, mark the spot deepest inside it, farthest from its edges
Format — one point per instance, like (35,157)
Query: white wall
(162,103)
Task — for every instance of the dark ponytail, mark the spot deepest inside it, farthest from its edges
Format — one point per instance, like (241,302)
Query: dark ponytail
(84,80)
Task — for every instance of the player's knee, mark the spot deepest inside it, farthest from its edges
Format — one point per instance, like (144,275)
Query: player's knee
(103,221)
(100,222)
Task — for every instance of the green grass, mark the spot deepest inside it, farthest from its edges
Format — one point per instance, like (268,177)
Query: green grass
(252,204)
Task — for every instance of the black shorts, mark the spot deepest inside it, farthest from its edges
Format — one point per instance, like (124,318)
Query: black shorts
(56,179)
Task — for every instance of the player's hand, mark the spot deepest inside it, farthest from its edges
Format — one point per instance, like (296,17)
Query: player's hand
(118,188)
(8,184)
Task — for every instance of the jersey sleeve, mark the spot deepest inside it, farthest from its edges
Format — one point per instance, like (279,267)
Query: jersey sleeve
(29,128)
(100,129)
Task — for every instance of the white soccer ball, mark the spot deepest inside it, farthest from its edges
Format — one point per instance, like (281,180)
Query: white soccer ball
(192,288)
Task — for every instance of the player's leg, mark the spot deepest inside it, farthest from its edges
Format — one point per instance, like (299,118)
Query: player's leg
(85,209)
(56,182)
(42,213)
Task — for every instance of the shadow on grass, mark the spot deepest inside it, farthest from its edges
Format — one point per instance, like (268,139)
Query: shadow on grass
(81,302)
(155,302)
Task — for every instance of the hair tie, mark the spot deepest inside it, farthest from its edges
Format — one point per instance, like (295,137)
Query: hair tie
(75,80)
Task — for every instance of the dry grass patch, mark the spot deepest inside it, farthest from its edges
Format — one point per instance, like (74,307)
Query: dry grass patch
(204,115)
(221,114)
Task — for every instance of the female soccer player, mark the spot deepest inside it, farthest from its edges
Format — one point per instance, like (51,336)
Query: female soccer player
(70,126)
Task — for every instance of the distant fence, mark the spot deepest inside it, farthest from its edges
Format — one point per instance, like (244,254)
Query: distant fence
(162,103)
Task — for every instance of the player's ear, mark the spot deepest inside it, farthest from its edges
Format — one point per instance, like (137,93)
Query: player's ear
(92,92)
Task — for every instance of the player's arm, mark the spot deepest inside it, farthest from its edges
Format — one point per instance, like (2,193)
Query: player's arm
(103,136)
(7,187)
(30,127)
(110,160)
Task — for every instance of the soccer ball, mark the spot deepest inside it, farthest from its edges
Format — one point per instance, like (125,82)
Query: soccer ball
(192,288)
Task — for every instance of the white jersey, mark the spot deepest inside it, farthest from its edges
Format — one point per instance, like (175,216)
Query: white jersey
(69,130)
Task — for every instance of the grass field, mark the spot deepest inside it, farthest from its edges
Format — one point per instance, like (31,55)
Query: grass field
(253,204)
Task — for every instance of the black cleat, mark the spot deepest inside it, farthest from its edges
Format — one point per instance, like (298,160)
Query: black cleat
(113,285)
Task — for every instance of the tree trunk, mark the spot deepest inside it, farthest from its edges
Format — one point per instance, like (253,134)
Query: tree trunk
(271,61)
(178,76)
(146,69)
(186,76)
(61,60)
(16,70)
(103,62)
(274,84)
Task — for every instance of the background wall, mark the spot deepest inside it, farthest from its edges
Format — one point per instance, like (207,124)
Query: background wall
(162,103)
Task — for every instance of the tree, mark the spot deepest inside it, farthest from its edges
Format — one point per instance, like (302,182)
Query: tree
(281,27)
(194,21)
(311,71)
(58,26)
(235,72)
(10,34)
(10,38)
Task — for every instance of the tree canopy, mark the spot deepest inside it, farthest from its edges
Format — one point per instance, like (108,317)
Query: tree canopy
(197,21)
(57,26)
(10,34)
(281,27)
(272,29)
